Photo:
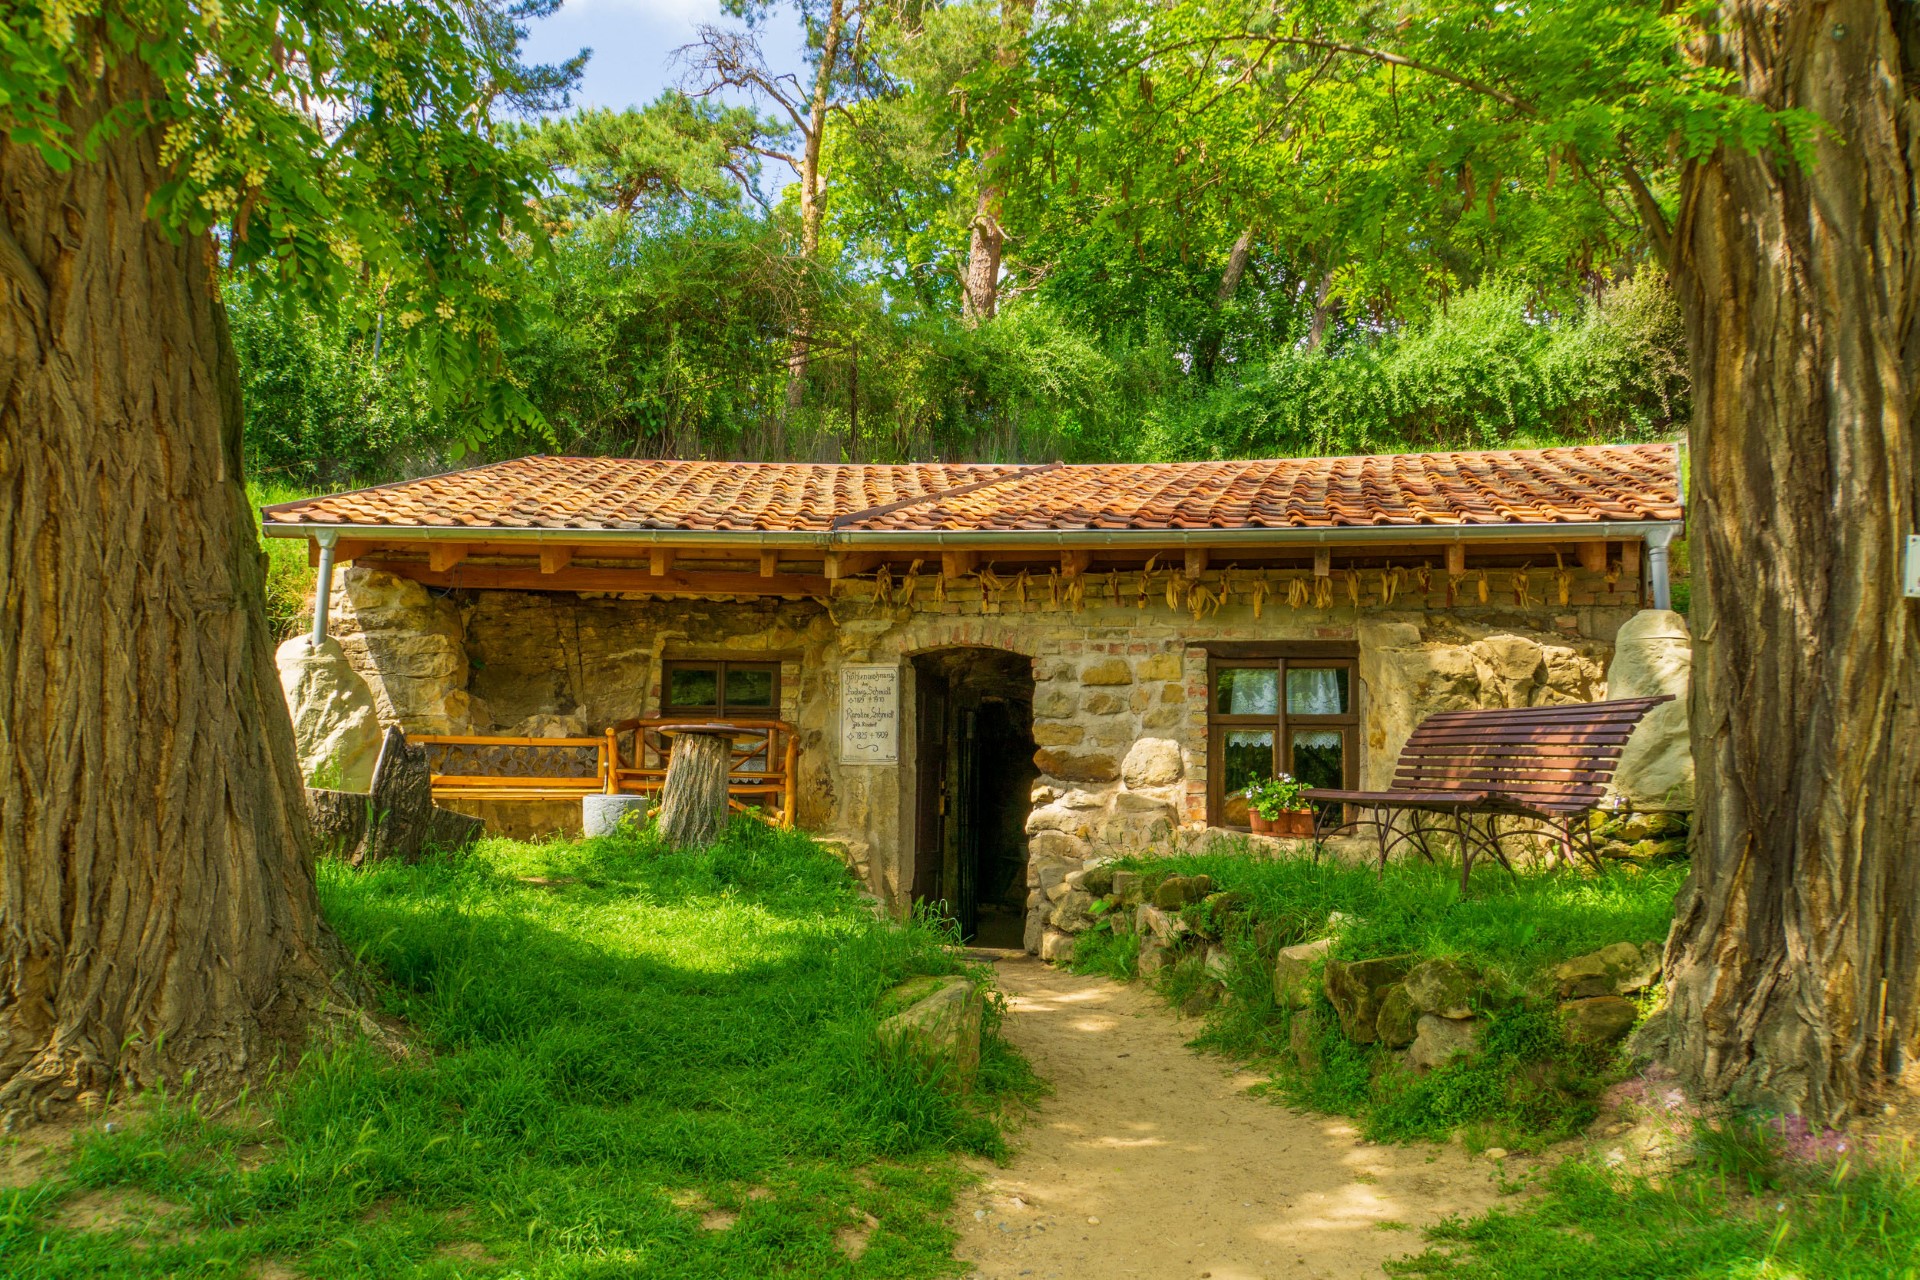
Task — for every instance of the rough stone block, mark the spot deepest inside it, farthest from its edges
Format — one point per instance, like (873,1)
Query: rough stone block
(1398,1022)
(1161,666)
(1293,972)
(1077,766)
(1357,988)
(1054,733)
(941,1023)
(1107,671)
(1599,1019)
(1056,946)
(1152,762)
(1103,703)
(1442,987)
(1439,1041)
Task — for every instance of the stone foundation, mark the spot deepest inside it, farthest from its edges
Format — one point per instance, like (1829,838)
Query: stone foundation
(1119,687)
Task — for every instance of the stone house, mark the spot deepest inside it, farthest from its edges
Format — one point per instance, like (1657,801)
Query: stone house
(998,673)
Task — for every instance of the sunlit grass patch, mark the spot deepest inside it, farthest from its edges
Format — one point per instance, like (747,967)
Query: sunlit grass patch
(599,1070)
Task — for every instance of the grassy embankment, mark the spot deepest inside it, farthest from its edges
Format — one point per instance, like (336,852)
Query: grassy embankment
(1525,1087)
(623,1063)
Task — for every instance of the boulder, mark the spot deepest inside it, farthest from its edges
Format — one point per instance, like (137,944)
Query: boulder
(336,730)
(1600,1020)
(1438,1041)
(414,643)
(1057,846)
(1153,922)
(1617,969)
(939,1019)
(1069,915)
(1653,655)
(1293,973)
(1358,988)
(1441,987)
(1399,1020)
(1152,762)
(1036,928)
(1127,887)
(1155,954)
(1098,881)
(1056,946)
(1177,891)
(1303,1038)
(1510,667)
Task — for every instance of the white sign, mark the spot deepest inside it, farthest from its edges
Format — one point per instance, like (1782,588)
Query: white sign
(870,714)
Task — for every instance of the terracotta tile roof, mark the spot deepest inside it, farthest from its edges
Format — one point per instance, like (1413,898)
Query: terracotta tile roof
(621,493)
(1528,487)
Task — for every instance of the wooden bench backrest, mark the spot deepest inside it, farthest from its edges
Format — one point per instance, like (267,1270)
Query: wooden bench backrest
(1562,755)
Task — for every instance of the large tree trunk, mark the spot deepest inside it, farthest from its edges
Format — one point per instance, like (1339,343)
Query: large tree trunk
(1237,259)
(1793,962)
(157,904)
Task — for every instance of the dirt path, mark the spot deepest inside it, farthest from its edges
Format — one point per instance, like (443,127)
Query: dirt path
(1150,1160)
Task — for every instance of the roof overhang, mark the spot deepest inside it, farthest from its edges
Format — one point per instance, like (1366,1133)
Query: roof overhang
(993,539)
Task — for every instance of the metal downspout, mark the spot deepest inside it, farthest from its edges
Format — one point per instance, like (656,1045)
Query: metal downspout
(323,586)
(1658,570)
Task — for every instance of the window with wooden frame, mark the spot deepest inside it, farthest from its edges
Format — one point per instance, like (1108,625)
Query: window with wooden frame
(1283,710)
(744,690)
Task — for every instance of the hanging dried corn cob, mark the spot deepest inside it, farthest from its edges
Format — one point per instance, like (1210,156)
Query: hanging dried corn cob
(1480,584)
(1323,593)
(910,584)
(883,584)
(991,585)
(1299,592)
(1353,587)
(1053,588)
(1562,579)
(1077,593)
(1523,587)
(1020,588)
(1423,576)
(1258,593)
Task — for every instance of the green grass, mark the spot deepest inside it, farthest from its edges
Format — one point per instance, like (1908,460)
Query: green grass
(289,577)
(1823,1222)
(1525,1088)
(597,1060)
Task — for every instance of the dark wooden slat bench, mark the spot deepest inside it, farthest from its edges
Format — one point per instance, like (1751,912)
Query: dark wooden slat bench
(1484,776)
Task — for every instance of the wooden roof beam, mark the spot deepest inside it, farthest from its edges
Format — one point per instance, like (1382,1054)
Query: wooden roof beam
(442,556)
(958,564)
(1593,556)
(1196,563)
(554,559)
(1074,563)
(848,564)
(1456,558)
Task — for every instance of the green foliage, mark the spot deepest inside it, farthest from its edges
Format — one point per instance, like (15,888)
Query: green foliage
(1525,1086)
(342,146)
(290,578)
(1849,1221)
(604,1035)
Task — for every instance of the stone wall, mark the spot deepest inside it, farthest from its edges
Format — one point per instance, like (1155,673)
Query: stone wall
(1120,670)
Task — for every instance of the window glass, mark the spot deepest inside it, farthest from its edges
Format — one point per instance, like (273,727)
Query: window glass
(749,687)
(1316,691)
(693,687)
(1319,757)
(1247,691)
(1248,758)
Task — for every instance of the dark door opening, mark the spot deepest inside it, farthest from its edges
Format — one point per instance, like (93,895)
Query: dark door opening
(975,774)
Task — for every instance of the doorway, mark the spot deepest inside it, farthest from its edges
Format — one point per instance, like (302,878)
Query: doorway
(974,775)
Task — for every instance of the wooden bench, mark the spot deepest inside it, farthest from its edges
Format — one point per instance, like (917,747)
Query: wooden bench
(629,757)
(1482,777)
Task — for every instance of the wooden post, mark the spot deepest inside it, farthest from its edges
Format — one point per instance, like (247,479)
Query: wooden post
(693,800)
(1323,562)
(1456,558)
(611,762)
(793,753)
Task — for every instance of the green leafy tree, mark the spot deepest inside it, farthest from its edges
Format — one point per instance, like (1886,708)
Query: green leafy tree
(159,900)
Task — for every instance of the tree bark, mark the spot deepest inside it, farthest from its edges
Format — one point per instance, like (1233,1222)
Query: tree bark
(987,238)
(1237,259)
(693,799)
(1792,966)
(157,903)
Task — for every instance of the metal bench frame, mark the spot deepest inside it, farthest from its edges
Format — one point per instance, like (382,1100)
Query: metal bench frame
(1484,778)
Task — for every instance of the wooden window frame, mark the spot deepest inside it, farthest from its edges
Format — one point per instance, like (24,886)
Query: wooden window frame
(719,667)
(1319,655)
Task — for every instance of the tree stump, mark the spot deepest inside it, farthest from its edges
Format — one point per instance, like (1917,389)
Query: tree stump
(693,800)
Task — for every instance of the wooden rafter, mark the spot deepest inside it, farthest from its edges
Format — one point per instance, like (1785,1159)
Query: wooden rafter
(582,578)
(554,559)
(442,556)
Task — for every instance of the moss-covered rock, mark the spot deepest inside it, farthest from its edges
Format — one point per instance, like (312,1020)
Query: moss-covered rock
(1399,1019)
(1357,989)
(1442,987)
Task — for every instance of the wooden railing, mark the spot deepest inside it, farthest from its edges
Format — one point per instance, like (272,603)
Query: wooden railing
(630,757)
(765,755)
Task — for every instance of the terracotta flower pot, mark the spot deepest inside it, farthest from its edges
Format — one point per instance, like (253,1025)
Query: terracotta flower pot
(1261,826)
(1297,823)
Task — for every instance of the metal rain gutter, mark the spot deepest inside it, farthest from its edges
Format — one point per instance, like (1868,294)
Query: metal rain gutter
(978,539)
